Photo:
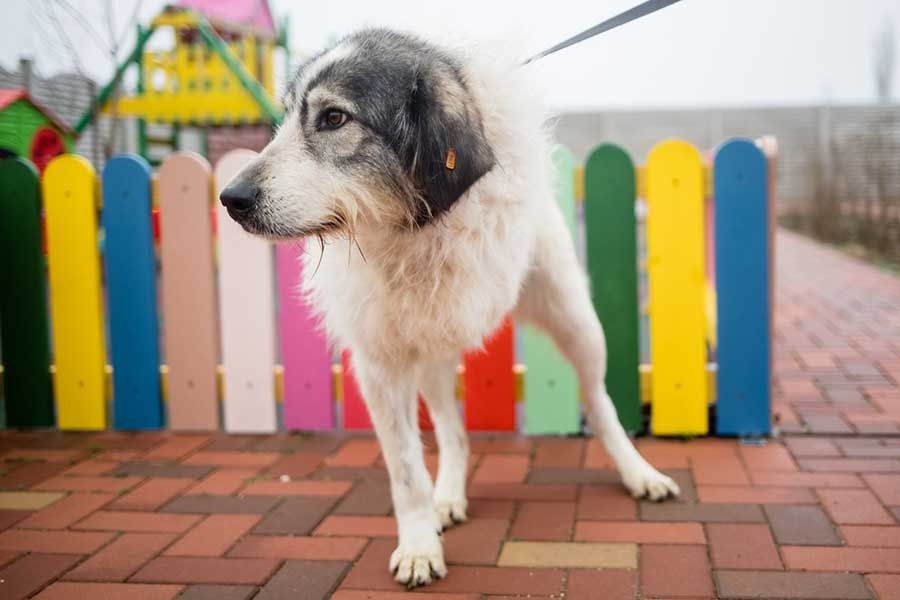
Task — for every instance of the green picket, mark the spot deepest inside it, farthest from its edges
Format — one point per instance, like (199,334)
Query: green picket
(551,384)
(609,197)
(23,300)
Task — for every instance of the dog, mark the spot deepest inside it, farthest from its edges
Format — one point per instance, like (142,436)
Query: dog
(424,171)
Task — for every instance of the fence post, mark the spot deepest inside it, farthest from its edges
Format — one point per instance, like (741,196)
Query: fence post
(23,299)
(742,279)
(551,385)
(70,188)
(305,355)
(675,264)
(247,315)
(131,292)
(490,384)
(611,234)
(188,292)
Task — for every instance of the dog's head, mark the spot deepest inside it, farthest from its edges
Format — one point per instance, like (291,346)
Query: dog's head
(380,130)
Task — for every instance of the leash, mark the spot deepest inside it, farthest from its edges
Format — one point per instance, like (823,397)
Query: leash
(636,12)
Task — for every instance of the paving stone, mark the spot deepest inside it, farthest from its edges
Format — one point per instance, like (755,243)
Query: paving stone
(116,484)
(886,487)
(606,503)
(213,536)
(546,521)
(565,453)
(480,508)
(298,547)
(151,494)
(870,535)
(302,443)
(231,459)
(295,516)
(336,473)
(670,571)
(161,470)
(568,555)
(859,507)
(27,500)
(404,595)
(814,447)
(110,520)
(866,560)
(742,546)
(171,569)
(366,498)
(28,574)
(218,592)
(121,558)
(50,542)
(370,573)
(25,475)
(363,526)
(615,584)
(206,504)
(643,533)
(303,580)
(851,465)
(66,511)
(742,494)
(769,584)
(296,488)
(295,466)
(570,476)
(67,590)
(475,542)
(886,586)
(355,453)
(223,482)
(176,447)
(521,491)
(502,468)
(818,480)
(702,513)
(801,525)
(8,518)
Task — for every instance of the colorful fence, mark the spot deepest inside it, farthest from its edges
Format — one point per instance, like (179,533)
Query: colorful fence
(239,349)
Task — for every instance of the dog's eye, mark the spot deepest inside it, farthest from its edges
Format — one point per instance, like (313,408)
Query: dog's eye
(333,119)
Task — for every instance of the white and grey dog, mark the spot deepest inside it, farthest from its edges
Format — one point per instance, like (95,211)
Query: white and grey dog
(425,173)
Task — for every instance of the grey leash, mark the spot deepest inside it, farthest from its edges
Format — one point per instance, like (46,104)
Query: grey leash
(636,12)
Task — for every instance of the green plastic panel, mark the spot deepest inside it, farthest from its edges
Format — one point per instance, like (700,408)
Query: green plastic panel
(609,197)
(551,384)
(23,299)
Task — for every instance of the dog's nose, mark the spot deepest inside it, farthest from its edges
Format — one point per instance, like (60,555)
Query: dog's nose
(239,196)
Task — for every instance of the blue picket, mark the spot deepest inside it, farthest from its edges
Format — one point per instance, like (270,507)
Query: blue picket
(131,290)
(742,281)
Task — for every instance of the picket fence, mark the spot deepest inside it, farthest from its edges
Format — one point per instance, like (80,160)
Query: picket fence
(242,350)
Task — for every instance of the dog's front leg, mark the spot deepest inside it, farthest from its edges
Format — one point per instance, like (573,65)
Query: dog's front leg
(390,394)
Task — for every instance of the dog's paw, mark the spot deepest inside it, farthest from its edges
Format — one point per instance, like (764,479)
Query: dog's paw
(451,512)
(647,482)
(418,566)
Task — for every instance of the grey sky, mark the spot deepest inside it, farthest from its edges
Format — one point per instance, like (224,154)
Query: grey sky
(696,53)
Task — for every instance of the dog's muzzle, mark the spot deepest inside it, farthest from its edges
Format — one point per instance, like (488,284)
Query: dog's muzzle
(240,197)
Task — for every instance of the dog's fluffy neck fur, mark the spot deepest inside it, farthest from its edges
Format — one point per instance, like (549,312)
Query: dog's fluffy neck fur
(448,284)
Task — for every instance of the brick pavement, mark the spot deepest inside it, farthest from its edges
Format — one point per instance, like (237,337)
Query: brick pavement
(814,515)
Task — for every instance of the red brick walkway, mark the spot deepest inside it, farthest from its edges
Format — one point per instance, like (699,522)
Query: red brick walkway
(156,516)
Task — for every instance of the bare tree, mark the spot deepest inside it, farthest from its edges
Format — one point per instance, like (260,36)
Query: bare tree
(109,39)
(885,49)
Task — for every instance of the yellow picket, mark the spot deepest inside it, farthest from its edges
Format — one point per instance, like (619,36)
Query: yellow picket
(70,187)
(675,245)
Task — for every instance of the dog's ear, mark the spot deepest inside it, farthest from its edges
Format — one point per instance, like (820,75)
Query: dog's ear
(446,149)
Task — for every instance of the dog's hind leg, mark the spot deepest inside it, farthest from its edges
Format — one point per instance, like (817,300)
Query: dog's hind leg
(390,395)
(556,298)
(438,387)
